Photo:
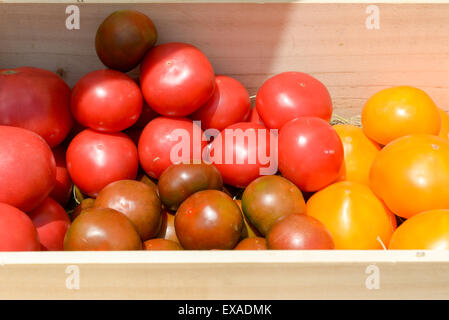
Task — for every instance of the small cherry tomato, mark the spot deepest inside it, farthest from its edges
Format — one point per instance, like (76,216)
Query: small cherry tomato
(106,100)
(228,105)
(310,153)
(52,223)
(17,232)
(399,111)
(176,79)
(290,95)
(95,159)
(27,168)
(159,142)
(299,232)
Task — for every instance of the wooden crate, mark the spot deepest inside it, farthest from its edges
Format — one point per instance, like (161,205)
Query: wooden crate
(335,42)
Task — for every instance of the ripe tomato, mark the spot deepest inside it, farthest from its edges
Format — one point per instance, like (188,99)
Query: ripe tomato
(428,230)
(242,152)
(359,153)
(228,105)
(63,185)
(37,100)
(355,217)
(310,153)
(27,168)
(290,95)
(299,232)
(444,128)
(17,232)
(254,243)
(395,112)
(161,244)
(123,38)
(411,174)
(106,100)
(95,159)
(176,79)
(162,137)
(52,223)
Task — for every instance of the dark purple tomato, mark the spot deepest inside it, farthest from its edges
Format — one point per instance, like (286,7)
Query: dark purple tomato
(299,232)
(161,244)
(100,229)
(207,220)
(270,198)
(123,39)
(180,181)
(136,200)
(256,243)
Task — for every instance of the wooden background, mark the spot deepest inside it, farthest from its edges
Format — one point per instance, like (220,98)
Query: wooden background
(254,41)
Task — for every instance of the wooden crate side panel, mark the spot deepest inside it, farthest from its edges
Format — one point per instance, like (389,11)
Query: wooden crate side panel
(254,41)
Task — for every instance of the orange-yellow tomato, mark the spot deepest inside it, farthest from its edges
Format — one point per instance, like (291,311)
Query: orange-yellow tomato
(354,216)
(360,152)
(444,128)
(425,231)
(411,174)
(395,112)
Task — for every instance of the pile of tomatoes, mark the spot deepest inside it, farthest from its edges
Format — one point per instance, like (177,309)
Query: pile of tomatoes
(91,168)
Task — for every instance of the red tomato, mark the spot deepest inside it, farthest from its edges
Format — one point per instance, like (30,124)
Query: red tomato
(176,79)
(52,223)
(37,100)
(310,153)
(159,138)
(290,95)
(229,104)
(27,168)
(63,185)
(95,159)
(17,232)
(254,117)
(240,144)
(106,100)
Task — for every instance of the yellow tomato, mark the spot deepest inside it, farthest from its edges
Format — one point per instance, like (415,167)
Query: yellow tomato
(411,174)
(395,112)
(444,129)
(360,152)
(425,231)
(354,216)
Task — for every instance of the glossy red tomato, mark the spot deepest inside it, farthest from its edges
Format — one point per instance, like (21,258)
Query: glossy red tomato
(242,153)
(290,95)
(95,159)
(37,100)
(255,243)
(17,232)
(27,168)
(164,134)
(52,223)
(176,79)
(310,153)
(63,185)
(228,105)
(106,100)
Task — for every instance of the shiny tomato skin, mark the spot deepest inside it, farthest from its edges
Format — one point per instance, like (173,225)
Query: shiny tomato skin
(159,137)
(27,168)
(52,223)
(176,79)
(254,243)
(63,185)
(310,153)
(123,39)
(208,219)
(17,232)
(95,159)
(228,105)
(299,232)
(37,100)
(241,174)
(106,100)
(290,95)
